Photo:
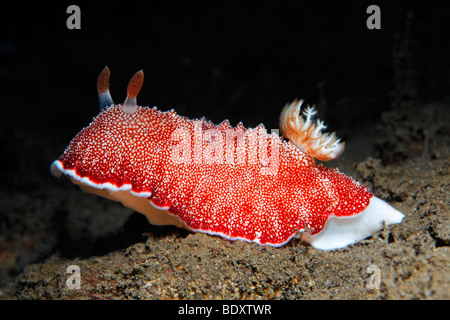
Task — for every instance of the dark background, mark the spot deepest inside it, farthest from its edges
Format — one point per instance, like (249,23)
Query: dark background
(222,59)
(241,60)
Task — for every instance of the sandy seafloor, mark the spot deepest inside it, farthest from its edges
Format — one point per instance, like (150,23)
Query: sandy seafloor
(385,92)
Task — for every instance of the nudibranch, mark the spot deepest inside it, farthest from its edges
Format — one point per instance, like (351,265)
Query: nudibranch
(238,183)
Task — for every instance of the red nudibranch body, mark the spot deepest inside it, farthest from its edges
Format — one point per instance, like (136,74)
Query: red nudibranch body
(234,182)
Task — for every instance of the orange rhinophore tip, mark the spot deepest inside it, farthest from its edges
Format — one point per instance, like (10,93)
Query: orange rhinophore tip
(133,89)
(104,97)
(103,80)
